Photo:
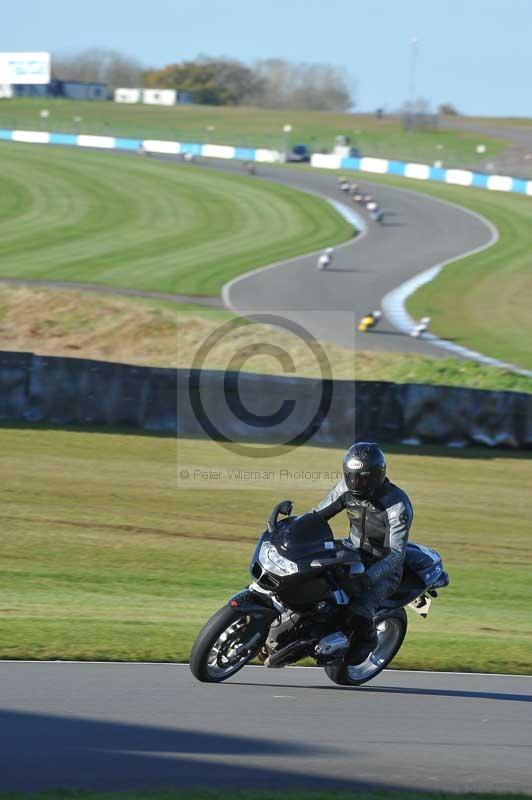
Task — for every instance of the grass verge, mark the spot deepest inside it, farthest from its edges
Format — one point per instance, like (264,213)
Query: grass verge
(159,333)
(143,224)
(251,127)
(106,556)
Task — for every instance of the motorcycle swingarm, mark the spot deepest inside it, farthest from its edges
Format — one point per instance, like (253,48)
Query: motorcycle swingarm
(253,605)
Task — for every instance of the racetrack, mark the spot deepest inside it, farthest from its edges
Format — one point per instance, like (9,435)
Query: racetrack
(120,726)
(418,232)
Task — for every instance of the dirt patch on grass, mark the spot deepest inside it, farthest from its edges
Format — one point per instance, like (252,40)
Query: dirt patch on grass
(149,333)
(66,323)
(83,325)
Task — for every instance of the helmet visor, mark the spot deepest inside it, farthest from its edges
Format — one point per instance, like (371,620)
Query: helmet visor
(360,482)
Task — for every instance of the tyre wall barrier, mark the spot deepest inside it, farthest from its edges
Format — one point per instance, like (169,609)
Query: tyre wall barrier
(379,166)
(68,391)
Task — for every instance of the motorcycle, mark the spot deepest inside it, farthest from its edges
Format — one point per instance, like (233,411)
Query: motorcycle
(295,606)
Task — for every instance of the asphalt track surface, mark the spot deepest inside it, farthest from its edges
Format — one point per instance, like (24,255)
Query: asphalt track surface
(418,232)
(124,726)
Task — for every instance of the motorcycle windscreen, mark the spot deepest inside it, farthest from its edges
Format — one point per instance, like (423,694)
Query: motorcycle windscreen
(304,536)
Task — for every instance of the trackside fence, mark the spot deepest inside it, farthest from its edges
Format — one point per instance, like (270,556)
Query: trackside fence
(59,391)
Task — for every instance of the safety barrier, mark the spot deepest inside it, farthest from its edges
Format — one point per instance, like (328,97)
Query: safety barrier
(68,391)
(424,172)
(164,146)
(376,166)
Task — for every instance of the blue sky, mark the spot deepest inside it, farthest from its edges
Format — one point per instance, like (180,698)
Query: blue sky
(473,53)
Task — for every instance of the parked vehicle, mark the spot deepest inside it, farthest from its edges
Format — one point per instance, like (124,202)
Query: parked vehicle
(298,154)
(295,606)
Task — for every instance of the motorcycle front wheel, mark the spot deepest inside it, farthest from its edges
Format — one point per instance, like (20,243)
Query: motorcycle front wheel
(391,632)
(225,644)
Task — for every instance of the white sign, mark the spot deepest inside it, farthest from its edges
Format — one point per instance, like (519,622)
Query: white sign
(159,97)
(24,68)
(127,95)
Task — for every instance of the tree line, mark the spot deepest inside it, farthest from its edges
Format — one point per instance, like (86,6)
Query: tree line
(270,83)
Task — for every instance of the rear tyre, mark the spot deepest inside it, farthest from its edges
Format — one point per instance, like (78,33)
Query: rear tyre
(391,632)
(225,644)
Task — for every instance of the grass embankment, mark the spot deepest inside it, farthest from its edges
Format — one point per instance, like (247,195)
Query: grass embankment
(142,224)
(162,334)
(250,127)
(104,558)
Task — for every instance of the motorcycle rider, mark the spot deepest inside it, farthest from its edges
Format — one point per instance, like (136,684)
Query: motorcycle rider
(380,515)
(325,259)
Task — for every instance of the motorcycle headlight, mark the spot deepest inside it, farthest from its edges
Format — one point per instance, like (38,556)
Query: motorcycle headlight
(272,561)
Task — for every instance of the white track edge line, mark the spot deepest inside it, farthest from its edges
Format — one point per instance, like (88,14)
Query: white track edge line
(252,666)
(393,303)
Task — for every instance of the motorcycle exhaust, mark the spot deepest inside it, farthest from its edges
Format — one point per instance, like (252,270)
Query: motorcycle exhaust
(285,654)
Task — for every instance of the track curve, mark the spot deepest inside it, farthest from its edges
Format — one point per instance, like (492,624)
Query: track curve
(131,726)
(418,232)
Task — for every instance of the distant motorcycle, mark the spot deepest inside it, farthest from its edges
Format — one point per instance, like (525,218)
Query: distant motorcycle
(374,212)
(295,606)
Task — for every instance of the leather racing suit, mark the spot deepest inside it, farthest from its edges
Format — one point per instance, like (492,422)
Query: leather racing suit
(378,529)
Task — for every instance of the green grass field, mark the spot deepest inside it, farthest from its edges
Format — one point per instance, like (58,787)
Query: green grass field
(106,556)
(249,127)
(96,217)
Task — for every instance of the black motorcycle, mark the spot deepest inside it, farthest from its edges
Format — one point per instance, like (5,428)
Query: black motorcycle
(295,607)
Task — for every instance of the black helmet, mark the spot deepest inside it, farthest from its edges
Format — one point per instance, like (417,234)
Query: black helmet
(364,468)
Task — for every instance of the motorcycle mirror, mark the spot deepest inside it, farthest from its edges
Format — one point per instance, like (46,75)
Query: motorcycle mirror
(284,508)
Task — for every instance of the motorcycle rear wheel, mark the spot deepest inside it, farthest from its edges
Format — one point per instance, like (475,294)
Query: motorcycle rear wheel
(221,650)
(391,632)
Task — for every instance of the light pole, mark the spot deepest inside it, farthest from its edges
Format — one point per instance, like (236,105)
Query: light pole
(287,130)
(414,45)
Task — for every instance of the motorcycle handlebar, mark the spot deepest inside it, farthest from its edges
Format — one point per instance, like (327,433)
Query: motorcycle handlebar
(285,508)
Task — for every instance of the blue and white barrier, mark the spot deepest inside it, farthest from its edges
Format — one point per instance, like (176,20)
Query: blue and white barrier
(424,172)
(376,166)
(163,146)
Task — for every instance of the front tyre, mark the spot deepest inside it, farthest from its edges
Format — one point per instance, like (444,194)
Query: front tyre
(391,632)
(225,644)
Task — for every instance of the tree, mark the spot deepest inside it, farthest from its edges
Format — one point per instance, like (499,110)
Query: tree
(100,65)
(213,81)
(448,109)
(240,82)
(273,83)
(317,87)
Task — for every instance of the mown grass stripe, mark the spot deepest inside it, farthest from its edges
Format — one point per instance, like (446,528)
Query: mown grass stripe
(96,217)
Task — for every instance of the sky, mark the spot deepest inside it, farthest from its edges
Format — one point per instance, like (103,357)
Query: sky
(475,54)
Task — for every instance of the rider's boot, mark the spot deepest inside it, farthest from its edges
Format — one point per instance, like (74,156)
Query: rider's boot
(364,639)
